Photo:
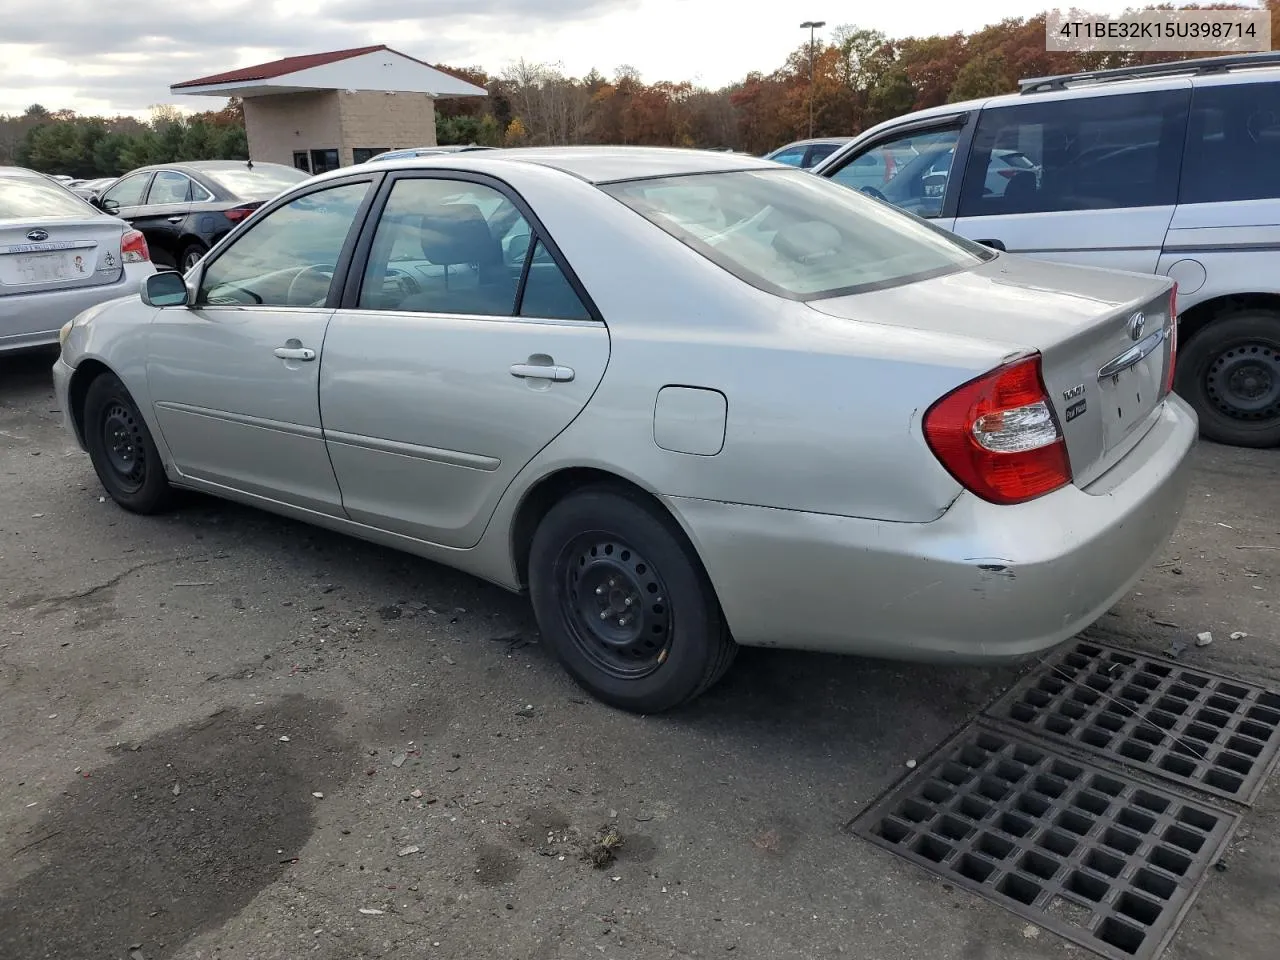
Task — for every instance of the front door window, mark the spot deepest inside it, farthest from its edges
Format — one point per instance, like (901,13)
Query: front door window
(288,257)
(910,171)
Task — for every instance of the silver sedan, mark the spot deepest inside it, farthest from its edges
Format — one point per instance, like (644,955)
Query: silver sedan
(58,256)
(688,401)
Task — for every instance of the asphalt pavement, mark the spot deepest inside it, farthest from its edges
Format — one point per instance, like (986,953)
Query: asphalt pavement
(231,735)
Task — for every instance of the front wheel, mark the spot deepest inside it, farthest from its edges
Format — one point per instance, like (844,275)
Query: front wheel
(1230,373)
(624,603)
(121,449)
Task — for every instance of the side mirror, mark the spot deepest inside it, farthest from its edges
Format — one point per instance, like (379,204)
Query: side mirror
(165,289)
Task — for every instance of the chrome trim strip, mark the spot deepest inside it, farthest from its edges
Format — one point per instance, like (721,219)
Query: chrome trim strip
(278,426)
(1133,356)
(453,458)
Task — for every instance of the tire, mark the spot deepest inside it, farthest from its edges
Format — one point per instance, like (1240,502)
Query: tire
(190,255)
(121,448)
(664,640)
(1230,373)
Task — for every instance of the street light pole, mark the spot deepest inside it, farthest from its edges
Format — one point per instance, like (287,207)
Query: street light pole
(811,25)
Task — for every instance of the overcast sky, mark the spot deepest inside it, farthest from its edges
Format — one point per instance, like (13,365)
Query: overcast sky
(74,53)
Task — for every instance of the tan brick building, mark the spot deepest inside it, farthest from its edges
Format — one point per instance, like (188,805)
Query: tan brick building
(328,110)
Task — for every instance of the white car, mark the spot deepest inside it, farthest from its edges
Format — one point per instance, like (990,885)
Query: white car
(58,257)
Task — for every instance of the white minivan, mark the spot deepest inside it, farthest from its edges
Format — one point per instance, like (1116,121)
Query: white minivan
(1167,168)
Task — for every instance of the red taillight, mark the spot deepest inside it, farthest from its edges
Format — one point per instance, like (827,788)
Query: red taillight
(997,435)
(1007,173)
(1173,337)
(133,248)
(236,214)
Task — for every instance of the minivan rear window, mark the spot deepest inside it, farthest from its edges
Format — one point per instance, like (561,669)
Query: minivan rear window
(1233,144)
(796,235)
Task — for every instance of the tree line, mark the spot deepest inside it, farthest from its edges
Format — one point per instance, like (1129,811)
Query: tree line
(859,78)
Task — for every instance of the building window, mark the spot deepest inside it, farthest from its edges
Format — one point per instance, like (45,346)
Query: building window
(365,154)
(322,161)
(300,160)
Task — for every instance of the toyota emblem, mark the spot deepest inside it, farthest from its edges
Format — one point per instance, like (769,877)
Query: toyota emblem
(1136,324)
(38,236)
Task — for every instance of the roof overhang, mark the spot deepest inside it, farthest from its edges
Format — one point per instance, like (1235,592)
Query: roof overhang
(380,70)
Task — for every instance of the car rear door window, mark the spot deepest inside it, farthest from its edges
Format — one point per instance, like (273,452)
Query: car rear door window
(547,291)
(1088,153)
(818,152)
(169,187)
(1233,144)
(287,257)
(446,246)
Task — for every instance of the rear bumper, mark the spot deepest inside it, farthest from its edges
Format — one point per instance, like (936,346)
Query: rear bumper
(983,583)
(33,319)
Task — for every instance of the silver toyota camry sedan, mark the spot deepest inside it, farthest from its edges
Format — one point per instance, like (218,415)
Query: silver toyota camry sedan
(688,401)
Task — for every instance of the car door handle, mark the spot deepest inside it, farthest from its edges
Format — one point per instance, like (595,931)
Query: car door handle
(295,353)
(175,219)
(538,371)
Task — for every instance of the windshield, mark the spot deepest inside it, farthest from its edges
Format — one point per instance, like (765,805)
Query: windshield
(26,198)
(260,183)
(796,235)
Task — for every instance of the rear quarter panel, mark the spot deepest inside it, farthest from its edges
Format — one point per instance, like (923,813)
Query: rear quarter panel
(823,414)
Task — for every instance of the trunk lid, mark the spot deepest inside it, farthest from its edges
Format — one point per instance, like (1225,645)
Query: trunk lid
(1105,384)
(40,255)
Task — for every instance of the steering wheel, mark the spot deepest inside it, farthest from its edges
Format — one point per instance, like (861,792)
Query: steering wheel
(313,270)
(872,192)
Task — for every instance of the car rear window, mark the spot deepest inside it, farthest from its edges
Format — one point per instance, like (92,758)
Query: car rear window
(796,235)
(257,184)
(25,198)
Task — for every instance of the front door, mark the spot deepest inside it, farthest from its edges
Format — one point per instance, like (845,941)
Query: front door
(464,352)
(1090,180)
(234,377)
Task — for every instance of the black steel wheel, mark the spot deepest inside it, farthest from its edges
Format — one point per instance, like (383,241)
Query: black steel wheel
(623,601)
(121,448)
(1230,373)
(615,606)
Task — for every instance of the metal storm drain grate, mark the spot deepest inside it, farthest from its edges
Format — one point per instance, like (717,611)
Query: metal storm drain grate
(1103,860)
(1185,725)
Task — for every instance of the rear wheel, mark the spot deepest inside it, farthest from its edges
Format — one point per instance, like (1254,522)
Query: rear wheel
(624,603)
(1230,373)
(121,449)
(191,256)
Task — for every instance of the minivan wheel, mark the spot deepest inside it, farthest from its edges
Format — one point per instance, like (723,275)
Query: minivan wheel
(623,602)
(121,449)
(1230,373)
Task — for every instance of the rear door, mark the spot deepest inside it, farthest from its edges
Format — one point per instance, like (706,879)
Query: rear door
(1103,183)
(462,348)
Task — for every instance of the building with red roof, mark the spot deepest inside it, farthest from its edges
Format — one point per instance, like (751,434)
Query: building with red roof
(321,111)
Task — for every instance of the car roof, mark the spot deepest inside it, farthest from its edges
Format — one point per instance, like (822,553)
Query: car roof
(23,172)
(805,143)
(608,164)
(207,166)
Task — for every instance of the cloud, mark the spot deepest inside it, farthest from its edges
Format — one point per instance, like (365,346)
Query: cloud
(92,56)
